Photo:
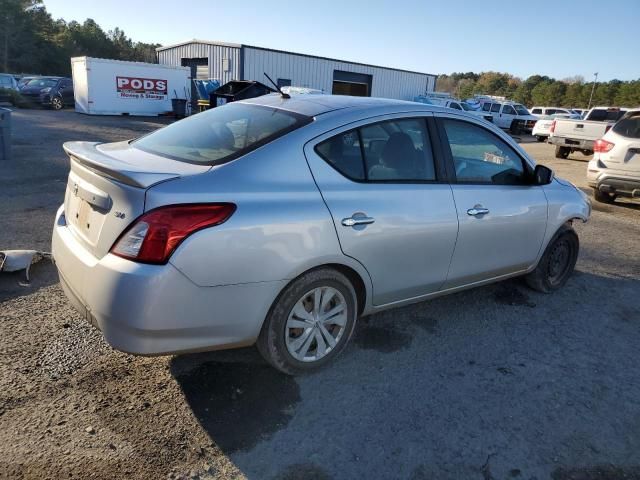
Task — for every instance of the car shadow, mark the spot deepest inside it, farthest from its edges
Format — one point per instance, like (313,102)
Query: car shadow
(413,375)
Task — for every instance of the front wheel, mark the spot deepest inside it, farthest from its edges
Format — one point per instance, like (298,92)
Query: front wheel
(56,103)
(310,323)
(557,262)
(540,138)
(603,197)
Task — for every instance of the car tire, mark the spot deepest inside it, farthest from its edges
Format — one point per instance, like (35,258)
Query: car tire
(57,103)
(280,334)
(562,152)
(603,197)
(540,138)
(557,263)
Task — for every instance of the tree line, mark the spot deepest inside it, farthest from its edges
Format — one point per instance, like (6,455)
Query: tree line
(541,89)
(32,42)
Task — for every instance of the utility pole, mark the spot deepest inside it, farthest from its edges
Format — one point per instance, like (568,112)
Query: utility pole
(593,87)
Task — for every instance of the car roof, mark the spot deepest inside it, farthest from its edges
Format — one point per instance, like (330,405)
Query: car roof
(313,105)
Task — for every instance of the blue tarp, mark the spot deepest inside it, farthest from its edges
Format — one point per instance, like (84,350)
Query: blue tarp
(205,87)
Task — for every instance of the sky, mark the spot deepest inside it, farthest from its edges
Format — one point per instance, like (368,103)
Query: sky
(559,38)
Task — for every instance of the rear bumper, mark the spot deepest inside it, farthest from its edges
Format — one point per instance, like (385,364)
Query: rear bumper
(577,144)
(155,309)
(626,184)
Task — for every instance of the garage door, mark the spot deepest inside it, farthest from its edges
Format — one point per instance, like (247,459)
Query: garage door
(349,83)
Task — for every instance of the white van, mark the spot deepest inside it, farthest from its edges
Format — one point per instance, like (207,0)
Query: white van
(510,116)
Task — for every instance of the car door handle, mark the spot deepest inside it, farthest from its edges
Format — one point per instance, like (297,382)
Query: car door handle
(357,220)
(477,210)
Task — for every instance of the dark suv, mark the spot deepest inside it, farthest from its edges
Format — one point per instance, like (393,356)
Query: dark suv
(54,92)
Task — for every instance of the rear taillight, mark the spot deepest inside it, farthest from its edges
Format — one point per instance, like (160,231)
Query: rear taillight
(602,146)
(154,236)
(553,127)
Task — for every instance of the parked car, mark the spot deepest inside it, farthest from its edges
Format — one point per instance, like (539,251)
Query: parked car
(510,116)
(614,170)
(580,111)
(542,127)
(54,92)
(569,135)
(281,221)
(8,82)
(546,111)
(450,102)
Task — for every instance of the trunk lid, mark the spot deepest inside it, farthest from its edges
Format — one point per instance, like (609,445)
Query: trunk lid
(106,189)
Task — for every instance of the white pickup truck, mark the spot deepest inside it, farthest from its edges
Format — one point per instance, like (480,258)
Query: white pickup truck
(570,135)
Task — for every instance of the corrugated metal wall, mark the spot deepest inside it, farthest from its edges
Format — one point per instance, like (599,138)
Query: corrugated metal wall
(303,71)
(215,53)
(317,73)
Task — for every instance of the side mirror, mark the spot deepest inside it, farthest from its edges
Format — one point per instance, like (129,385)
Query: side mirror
(542,175)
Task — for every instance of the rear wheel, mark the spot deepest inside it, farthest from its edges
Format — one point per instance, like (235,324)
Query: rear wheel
(56,103)
(557,262)
(562,152)
(540,138)
(603,197)
(310,323)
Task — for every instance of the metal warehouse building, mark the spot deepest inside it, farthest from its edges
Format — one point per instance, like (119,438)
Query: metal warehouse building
(228,61)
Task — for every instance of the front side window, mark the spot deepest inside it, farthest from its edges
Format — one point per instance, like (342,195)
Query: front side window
(495,108)
(479,156)
(220,134)
(486,107)
(397,150)
(508,110)
(537,111)
(455,106)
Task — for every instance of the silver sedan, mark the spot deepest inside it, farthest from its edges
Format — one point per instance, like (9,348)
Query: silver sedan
(281,221)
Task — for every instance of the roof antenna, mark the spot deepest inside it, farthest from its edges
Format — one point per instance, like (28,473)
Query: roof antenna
(284,95)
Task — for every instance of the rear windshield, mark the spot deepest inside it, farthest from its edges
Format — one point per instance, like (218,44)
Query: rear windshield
(628,126)
(220,134)
(604,115)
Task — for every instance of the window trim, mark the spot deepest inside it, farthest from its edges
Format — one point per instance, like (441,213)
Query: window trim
(448,156)
(431,128)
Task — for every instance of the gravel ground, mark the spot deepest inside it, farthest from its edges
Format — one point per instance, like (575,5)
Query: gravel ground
(494,383)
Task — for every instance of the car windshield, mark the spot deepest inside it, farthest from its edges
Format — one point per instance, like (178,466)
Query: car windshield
(521,109)
(220,134)
(42,82)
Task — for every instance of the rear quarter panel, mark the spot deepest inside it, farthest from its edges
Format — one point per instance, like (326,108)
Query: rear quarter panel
(281,227)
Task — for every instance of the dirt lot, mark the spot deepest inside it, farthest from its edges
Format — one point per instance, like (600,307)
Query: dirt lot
(494,383)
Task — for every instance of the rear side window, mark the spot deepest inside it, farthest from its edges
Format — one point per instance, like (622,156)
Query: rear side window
(486,107)
(398,150)
(455,106)
(495,108)
(221,134)
(537,111)
(629,126)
